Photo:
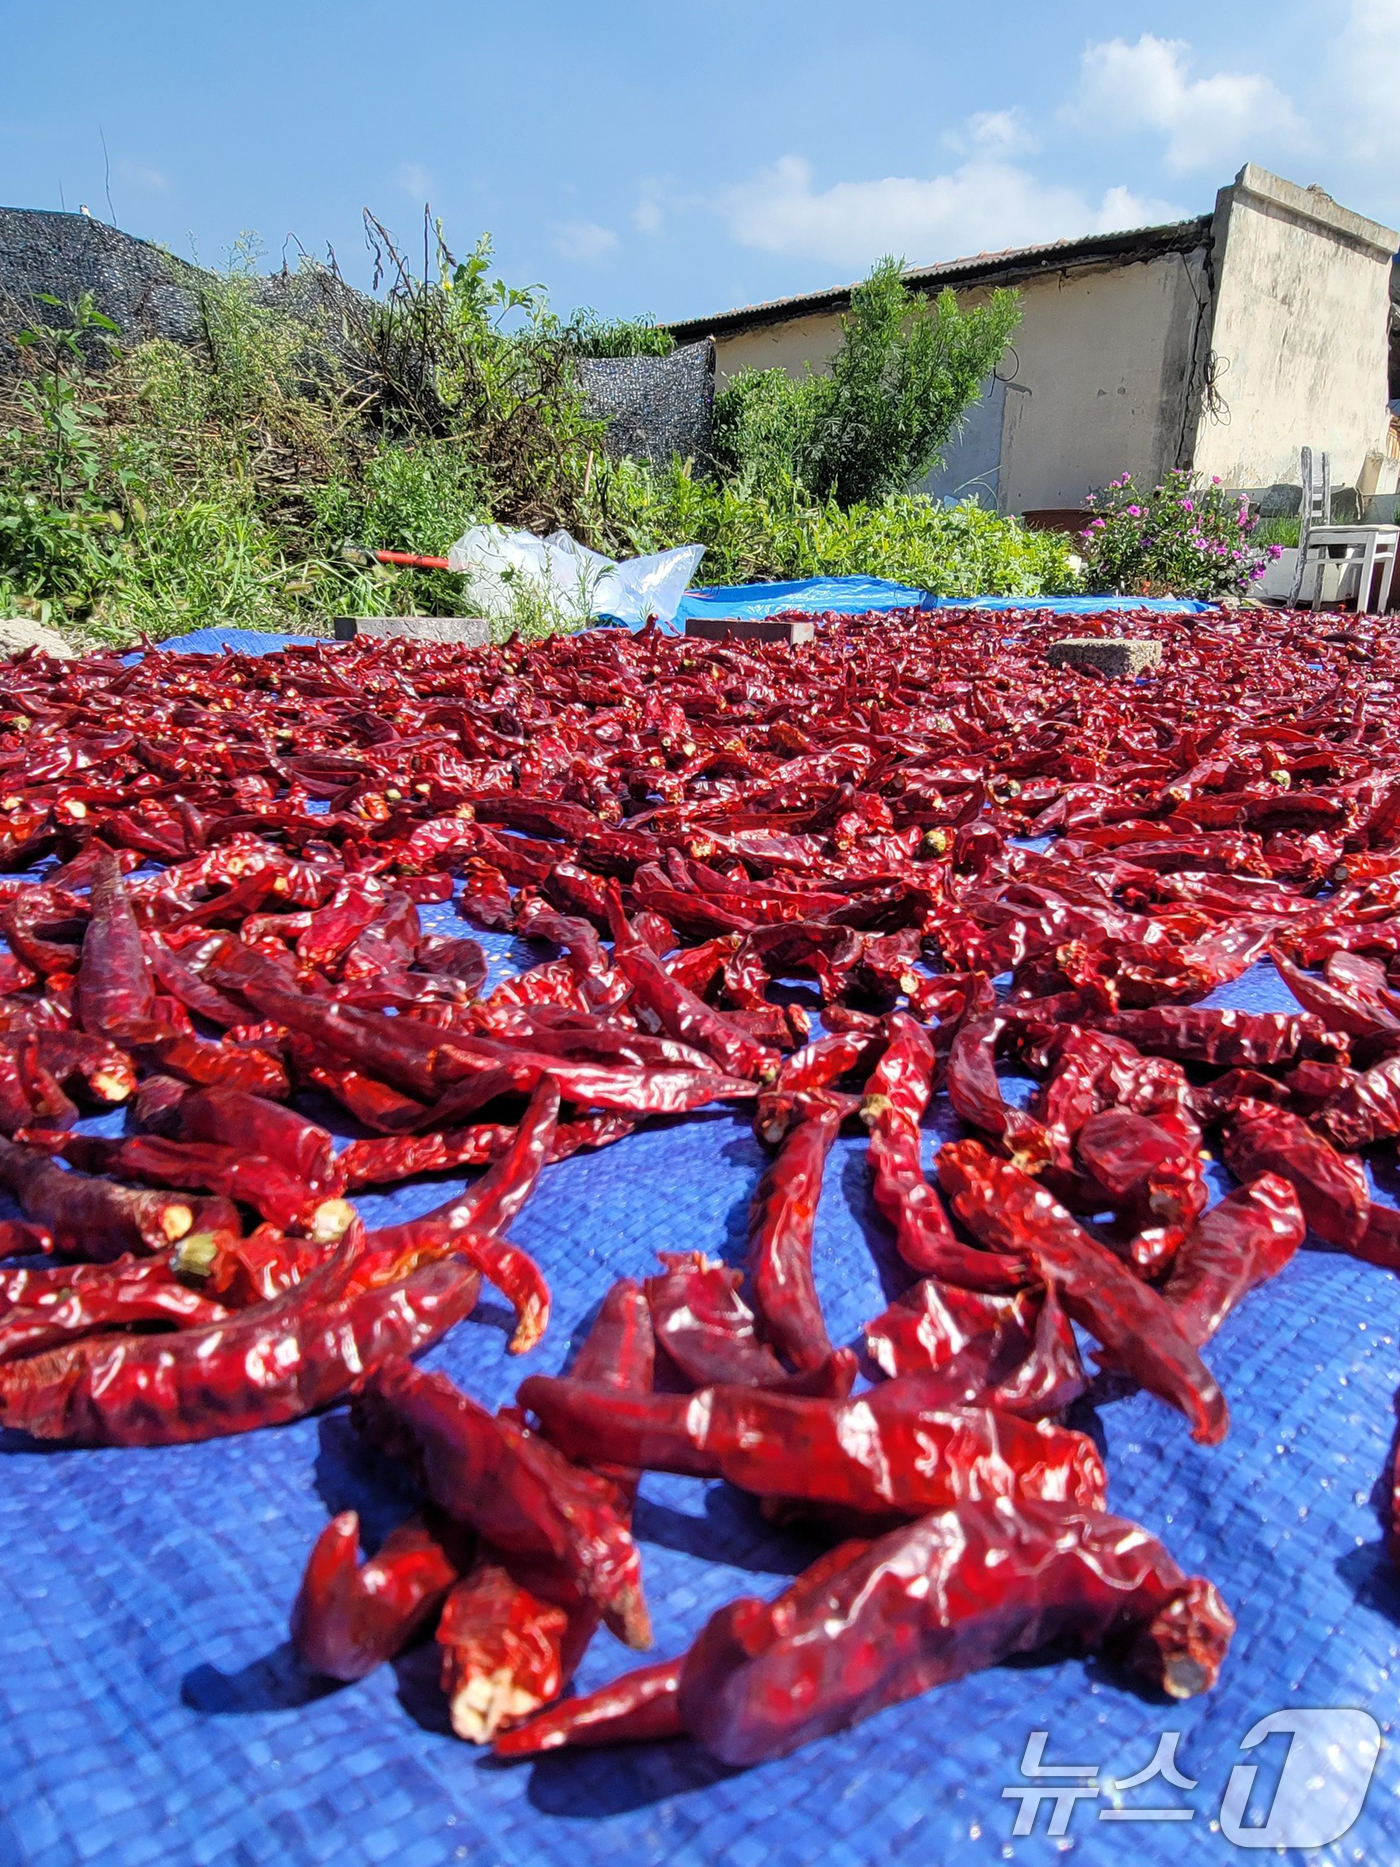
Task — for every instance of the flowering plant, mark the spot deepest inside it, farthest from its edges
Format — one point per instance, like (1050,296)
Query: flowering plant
(1185,538)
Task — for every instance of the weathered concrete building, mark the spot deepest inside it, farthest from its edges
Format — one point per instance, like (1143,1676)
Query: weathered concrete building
(1223,344)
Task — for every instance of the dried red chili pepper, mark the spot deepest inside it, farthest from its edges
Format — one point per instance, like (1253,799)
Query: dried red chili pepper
(640,1707)
(62,1309)
(501,1652)
(349,1617)
(1252,1039)
(1148,1173)
(1015,1353)
(513,1631)
(268,1364)
(896,1097)
(883,1451)
(924,1605)
(1364,1106)
(782,1219)
(1331,1187)
(1009,1211)
(510,1485)
(681,1014)
(976,1095)
(115,998)
(704,1325)
(1246,1239)
(91,1218)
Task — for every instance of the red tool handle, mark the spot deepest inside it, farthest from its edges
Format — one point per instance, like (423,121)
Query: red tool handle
(408,557)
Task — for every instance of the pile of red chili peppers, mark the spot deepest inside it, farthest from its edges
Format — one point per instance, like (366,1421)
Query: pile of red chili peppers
(822,885)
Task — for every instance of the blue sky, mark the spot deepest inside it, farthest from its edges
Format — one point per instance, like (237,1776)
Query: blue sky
(680,160)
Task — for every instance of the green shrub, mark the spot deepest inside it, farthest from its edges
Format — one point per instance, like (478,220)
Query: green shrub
(1185,538)
(904,375)
(588,335)
(947,550)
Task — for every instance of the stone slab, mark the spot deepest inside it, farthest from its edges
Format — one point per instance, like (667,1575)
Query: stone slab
(18,633)
(463,631)
(1110,654)
(749,629)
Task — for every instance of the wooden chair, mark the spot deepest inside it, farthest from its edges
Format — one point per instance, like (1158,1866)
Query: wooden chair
(1324,548)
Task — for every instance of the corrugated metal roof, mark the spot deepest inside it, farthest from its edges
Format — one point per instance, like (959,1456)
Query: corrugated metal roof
(1013,262)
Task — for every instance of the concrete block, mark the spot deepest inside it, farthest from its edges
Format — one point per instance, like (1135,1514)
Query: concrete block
(1110,654)
(462,631)
(749,629)
(18,633)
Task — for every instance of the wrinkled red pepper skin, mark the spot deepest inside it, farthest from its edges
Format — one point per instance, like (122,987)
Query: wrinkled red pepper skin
(88,1217)
(1241,1242)
(232,1118)
(641,1707)
(349,1618)
(1006,1209)
(705,1327)
(59,1306)
(469,1223)
(956,1592)
(976,1095)
(1015,1353)
(689,1019)
(266,1365)
(515,1629)
(1331,1187)
(1147,1173)
(644,1705)
(115,998)
(896,1097)
(1247,1039)
(1365,1107)
(782,1219)
(501,1652)
(881,1452)
(514,1488)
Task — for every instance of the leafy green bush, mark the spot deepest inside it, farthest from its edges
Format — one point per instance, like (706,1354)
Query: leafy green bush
(948,550)
(905,373)
(1184,538)
(588,335)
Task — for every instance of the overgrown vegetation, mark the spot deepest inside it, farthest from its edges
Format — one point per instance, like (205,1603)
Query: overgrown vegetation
(948,550)
(903,376)
(164,488)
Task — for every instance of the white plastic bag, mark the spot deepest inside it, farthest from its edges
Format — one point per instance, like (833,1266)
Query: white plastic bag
(569,578)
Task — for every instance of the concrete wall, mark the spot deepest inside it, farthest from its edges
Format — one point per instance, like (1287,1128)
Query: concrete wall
(1102,385)
(1300,334)
(1097,384)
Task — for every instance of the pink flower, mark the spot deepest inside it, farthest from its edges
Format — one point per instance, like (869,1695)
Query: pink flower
(1215,479)
(1097,525)
(1274,551)
(1133,512)
(1188,505)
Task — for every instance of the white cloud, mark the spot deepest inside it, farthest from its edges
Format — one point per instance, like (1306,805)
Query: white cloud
(583,240)
(1359,85)
(648,216)
(1212,122)
(992,133)
(415,180)
(982,205)
(141,176)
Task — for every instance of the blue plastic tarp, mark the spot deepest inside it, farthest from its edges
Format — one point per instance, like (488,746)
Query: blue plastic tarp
(1076,605)
(855,596)
(812,596)
(152,1712)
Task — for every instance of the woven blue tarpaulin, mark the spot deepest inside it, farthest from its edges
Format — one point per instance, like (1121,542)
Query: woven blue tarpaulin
(150,1711)
(855,596)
